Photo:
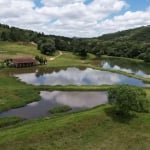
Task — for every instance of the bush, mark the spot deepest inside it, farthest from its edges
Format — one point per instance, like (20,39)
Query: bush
(60,109)
(127,98)
(41,60)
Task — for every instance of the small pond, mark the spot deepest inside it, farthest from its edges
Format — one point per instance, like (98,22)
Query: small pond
(139,69)
(76,76)
(76,100)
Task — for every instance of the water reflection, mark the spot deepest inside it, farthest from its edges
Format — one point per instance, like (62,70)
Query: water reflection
(139,69)
(76,100)
(76,76)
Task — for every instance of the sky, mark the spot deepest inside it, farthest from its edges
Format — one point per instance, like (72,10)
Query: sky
(75,18)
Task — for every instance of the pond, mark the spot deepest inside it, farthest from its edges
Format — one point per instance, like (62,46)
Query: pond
(76,100)
(139,69)
(76,76)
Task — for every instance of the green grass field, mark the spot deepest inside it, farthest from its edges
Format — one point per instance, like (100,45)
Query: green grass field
(9,49)
(95,129)
(91,130)
(14,94)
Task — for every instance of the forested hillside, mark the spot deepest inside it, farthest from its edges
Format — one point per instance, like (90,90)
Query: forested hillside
(133,43)
(138,34)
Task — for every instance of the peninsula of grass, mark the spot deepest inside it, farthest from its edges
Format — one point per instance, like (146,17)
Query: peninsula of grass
(14,94)
(73,88)
(60,109)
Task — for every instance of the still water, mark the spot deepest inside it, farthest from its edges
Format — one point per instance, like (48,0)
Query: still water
(76,100)
(139,69)
(76,76)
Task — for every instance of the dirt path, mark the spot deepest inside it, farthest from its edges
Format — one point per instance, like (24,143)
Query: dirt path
(53,58)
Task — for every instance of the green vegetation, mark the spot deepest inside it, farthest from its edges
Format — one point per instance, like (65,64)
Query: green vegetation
(10,49)
(68,59)
(74,88)
(132,43)
(48,48)
(60,109)
(126,98)
(5,122)
(15,94)
(20,94)
(41,60)
(97,128)
(147,57)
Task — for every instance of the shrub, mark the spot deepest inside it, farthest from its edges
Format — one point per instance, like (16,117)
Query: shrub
(127,98)
(41,60)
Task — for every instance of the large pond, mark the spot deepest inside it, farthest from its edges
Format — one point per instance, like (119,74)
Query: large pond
(139,69)
(76,76)
(76,100)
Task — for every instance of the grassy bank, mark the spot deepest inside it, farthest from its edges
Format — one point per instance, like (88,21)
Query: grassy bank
(14,94)
(124,58)
(93,129)
(74,88)
(10,121)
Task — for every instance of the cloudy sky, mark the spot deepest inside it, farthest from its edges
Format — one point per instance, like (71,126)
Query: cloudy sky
(80,18)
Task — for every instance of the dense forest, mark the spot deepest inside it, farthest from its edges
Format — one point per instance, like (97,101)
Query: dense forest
(133,43)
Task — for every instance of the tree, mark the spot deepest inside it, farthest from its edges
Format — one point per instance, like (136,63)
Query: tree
(5,36)
(61,44)
(80,47)
(147,57)
(48,48)
(127,98)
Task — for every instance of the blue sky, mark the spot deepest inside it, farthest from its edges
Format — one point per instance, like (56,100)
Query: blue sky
(87,2)
(136,5)
(82,18)
(38,3)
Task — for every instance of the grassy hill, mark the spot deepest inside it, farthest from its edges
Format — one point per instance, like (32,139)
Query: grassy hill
(10,49)
(91,130)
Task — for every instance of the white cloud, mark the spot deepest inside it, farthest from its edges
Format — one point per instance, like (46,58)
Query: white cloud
(126,21)
(71,17)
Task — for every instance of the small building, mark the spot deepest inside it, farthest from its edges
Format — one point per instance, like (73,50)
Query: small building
(23,62)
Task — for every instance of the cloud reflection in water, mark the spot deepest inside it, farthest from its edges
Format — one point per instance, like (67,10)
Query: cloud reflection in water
(75,76)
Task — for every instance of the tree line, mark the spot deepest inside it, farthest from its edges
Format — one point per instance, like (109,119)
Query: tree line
(133,43)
